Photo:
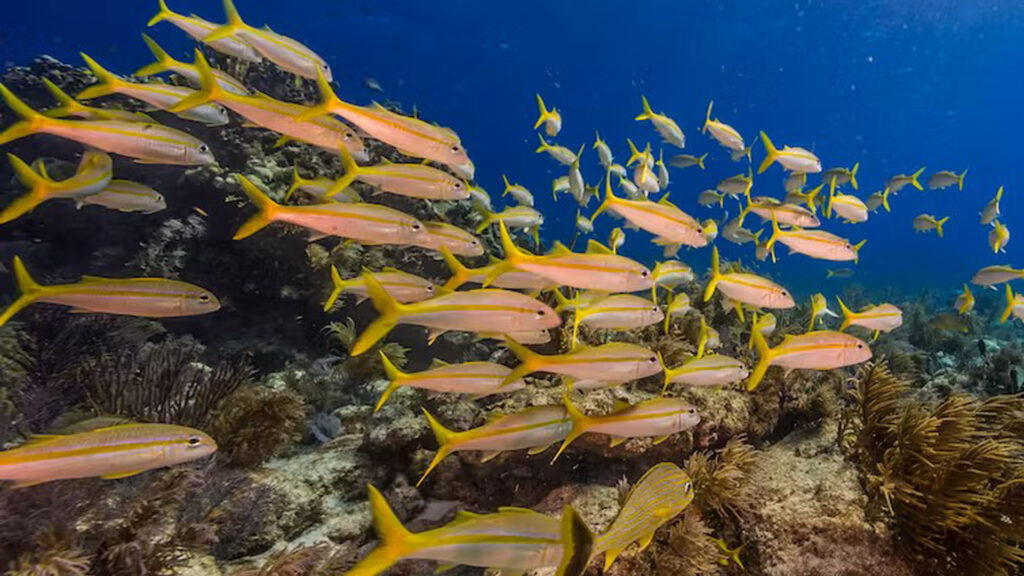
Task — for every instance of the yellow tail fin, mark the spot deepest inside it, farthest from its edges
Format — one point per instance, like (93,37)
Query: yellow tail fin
(938,225)
(715,276)
(296,182)
(707,118)
(395,378)
(233,25)
(529,361)
(542,114)
(209,89)
(609,196)
(163,62)
(108,82)
(513,256)
(577,544)
(885,199)
(162,14)
(38,188)
(848,315)
(351,173)
(338,285)
(914,177)
(29,291)
(647,114)
(700,162)
(460,274)
(67,106)
(764,360)
(31,122)
(390,312)
(579,423)
(1002,317)
(329,101)
(770,153)
(395,541)
(853,175)
(268,209)
(444,438)
(960,180)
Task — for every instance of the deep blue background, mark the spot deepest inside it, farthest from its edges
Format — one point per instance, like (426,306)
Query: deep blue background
(893,84)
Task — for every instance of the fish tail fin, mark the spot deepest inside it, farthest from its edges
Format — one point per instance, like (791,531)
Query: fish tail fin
(395,541)
(163,59)
(753,328)
(577,544)
(609,197)
(351,173)
(831,196)
(579,422)
(647,114)
(395,378)
(1002,317)
(774,237)
(233,25)
(715,276)
(543,146)
(67,104)
(460,274)
(296,182)
(444,439)
(707,118)
(885,199)
(268,209)
(856,249)
(764,359)
(37,184)
(915,176)
(338,285)
(528,361)
(848,315)
(811,199)
(27,287)
(853,175)
(390,312)
(513,255)
(107,80)
(700,160)
(209,89)
(508,185)
(960,180)
(938,225)
(163,13)
(542,114)
(30,123)
(770,153)
(328,99)
(829,274)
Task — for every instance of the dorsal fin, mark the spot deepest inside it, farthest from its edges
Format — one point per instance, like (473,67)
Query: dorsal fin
(664,200)
(39,439)
(558,248)
(93,279)
(595,247)
(619,405)
(438,363)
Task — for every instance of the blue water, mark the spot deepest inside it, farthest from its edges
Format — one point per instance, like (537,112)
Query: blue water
(894,85)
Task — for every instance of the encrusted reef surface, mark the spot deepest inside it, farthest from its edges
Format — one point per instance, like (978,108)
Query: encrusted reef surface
(787,481)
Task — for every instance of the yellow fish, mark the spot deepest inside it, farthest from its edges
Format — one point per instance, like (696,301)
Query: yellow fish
(794,159)
(614,362)
(998,237)
(617,312)
(404,287)
(199,29)
(841,176)
(746,288)
(666,127)
(710,370)
(94,172)
(478,379)
(725,135)
(899,181)
(167,63)
(512,280)
(964,301)
(551,119)
(819,309)
(818,350)
(926,222)
(126,196)
(68,106)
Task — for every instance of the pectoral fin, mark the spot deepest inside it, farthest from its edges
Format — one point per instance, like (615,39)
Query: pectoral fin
(121,475)
(538,449)
(644,541)
(616,441)
(488,456)
(660,439)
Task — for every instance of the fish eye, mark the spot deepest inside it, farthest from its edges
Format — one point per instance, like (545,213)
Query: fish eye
(860,346)
(430,288)
(785,293)
(204,148)
(325,67)
(644,273)
(204,298)
(541,312)
(349,135)
(194,441)
(416,226)
(458,185)
(687,487)
(655,309)
(652,359)
(455,148)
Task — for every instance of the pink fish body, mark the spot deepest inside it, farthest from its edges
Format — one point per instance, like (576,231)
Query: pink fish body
(662,218)
(710,370)
(455,239)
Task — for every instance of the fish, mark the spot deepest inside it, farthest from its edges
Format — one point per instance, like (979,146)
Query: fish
(158,95)
(617,169)
(737,155)
(167,63)
(404,287)
(945,179)
(734,231)
(583,224)
(1014,306)
(663,492)
(479,197)
(808,198)
(738,185)
(899,181)
(998,237)
(881,318)
(765,324)
(818,244)
(287,53)
(319,187)
(535,429)
(479,379)
(145,297)
(561,154)
(413,180)
(372,83)
(709,370)
(617,312)
(709,230)
(577,187)
(794,159)
(710,198)
(687,160)
(949,322)
(361,222)
(199,29)
(604,153)
(819,309)
(795,182)
(93,174)
(670,273)
(514,217)
(663,176)
(69,107)
(964,302)
(580,299)
(658,418)
(726,135)
(512,280)
(284,118)
(991,210)
(143,141)
(678,305)
(991,275)
(560,184)
(838,273)
(616,238)
(484,310)
(519,193)
(746,288)
(786,214)
(612,362)
(127,196)
(666,127)
(878,199)
(411,136)
(589,271)
(846,206)
(513,539)
(662,218)
(816,350)
(927,222)
(455,239)
(707,337)
(551,119)
(840,176)
(630,189)
(109,452)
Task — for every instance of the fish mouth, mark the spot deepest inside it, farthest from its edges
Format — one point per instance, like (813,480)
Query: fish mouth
(465,170)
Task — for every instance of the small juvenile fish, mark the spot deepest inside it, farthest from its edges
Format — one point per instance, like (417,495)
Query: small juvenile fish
(455,239)
(657,418)
(708,338)
(590,271)
(372,83)
(414,180)
(808,199)
(734,231)
(551,119)
(878,199)
(841,176)
(881,318)
(998,237)
(793,159)
(145,297)
(964,302)
(1014,306)
(127,196)
(561,154)
(519,192)
(487,310)
(479,197)
(765,324)
(662,218)
(818,350)
(738,185)
(617,169)
(68,106)
(666,127)
(513,539)
(687,160)
(991,210)
(663,176)
(746,288)
(319,187)
(709,230)
(535,429)
(671,273)
(710,370)
(662,493)
(737,155)
(287,53)
(93,174)
(514,217)
(583,224)
(945,179)
(109,452)
(604,153)
(476,378)
(899,181)
(814,243)
(145,142)
(819,309)
(950,323)
(630,189)
(613,362)
(560,184)
(847,206)
(404,287)
(795,182)
(166,63)
(710,198)
(616,238)
(838,273)
(927,222)
(577,187)
(786,214)
(513,280)
(365,223)
(617,312)
(199,29)
(726,135)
